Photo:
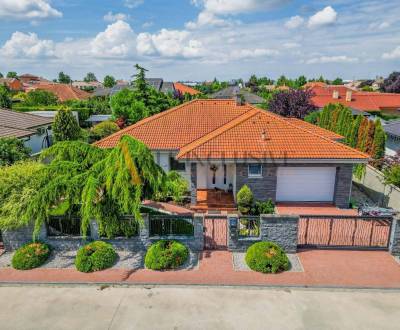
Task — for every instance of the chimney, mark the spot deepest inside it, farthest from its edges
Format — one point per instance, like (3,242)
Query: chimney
(349,94)
(238,99)
(263,135)
(335,94)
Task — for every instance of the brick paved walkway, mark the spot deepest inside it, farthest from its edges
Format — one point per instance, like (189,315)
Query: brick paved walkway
(321,268)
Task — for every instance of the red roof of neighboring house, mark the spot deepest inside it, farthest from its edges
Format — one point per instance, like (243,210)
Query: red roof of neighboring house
(64,92)
(221,129)
(12,83)
(364,101)
(185,89)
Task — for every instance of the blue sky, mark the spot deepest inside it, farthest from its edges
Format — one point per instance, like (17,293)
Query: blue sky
(200,39)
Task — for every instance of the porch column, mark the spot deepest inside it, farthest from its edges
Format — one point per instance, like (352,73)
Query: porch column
(193,183)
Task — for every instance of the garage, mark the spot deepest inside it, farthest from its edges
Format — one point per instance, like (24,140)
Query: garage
(306,184)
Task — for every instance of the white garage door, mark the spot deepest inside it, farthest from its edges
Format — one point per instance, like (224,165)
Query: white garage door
(306,184)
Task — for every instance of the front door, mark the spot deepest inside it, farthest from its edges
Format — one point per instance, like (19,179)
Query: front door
(215,233)
(217,176)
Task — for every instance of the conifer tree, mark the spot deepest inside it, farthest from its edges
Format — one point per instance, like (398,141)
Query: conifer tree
(353,136)
(362,133)
(369,140)
(378,151)
(65,127)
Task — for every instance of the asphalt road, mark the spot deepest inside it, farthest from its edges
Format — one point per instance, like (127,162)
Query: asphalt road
(43,307)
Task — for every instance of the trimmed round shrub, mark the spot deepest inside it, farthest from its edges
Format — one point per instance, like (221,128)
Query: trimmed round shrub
(267,257)
(166,254)
(31,255)
(95,256)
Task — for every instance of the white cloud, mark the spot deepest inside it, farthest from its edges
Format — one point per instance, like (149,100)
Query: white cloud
(148,24)
(294,22)
(253,53)
(332,59)
(394,54)
(326,16)
(133,3)
(291,45)
(224,7)
(118,40)
(27,9)
(110,17)
(169,43)
(27,45)
(206,18)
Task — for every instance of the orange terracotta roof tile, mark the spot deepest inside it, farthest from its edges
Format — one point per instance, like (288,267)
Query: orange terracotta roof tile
(64,92)
(174,128)
(364,101)
(263,135)
(185,89)
(315,129)
(218,129)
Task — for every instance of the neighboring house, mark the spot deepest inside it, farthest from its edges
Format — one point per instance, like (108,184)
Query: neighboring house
(221,145)
(392,130)
(235,91)
(356,100)
(183,89)
(52,114)
(64,92)
(12,83)
(87,85)
(34,130)
(29,79)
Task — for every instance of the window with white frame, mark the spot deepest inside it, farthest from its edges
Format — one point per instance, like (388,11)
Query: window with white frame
(255,170)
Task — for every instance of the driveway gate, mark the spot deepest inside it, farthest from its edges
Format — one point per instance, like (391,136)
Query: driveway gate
(344,232)
(215,232)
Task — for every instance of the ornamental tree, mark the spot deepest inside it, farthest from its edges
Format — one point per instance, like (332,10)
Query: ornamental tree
(90,76)
(12,74)
(66,127)
(293,103)
(379,142)
(64,78)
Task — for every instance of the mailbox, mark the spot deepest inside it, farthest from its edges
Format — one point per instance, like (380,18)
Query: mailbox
(233,227)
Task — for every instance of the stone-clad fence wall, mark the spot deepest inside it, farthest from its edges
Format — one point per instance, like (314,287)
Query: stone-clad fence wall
(281,229)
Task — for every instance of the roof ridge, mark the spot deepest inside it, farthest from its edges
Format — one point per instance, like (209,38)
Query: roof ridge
(218,131)
(315,134)
(146,120)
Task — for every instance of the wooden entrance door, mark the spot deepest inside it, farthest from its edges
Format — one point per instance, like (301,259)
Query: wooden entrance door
(215,233)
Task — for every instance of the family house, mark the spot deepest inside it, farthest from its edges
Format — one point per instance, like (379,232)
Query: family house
(12,83)
(221,145)
(64,92)
(34,130)
(360,102)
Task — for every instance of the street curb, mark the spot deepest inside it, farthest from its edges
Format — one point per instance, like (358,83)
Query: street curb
(205,286)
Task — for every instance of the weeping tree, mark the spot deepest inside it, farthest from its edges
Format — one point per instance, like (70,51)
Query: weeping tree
(103,184)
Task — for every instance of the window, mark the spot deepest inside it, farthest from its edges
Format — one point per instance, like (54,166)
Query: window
(255,170)
(176,166)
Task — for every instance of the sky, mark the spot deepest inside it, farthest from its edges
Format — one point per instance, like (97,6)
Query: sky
(201,39)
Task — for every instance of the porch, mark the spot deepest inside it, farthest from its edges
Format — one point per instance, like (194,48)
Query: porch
(213,200)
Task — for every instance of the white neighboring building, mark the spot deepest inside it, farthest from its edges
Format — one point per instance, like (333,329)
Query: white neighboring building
(34,130)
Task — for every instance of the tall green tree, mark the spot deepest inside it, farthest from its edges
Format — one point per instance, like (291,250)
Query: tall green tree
(337,81)
(12,74)
(126,106)
(5,97)
(378,151)
(66,127)
(142,88)
(40,97)
(1,75)
(64,78)
(369,142)
(362,134)
(301,81)
(326,117)
(90,76)
(109,81)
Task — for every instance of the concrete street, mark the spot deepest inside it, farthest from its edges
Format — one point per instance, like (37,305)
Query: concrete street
(45,307)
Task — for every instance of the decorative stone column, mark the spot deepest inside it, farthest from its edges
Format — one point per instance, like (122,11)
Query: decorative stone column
(198,224)
(193,183)
(394,245)
(280,229)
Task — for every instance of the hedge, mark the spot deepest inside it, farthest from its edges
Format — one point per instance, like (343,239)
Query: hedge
(166,254)
(267,257)
(95,256)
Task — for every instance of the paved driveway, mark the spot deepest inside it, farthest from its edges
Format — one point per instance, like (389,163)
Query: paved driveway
(196,308)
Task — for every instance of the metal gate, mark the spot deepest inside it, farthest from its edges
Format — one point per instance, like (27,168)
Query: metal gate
(344,232)
(215,232)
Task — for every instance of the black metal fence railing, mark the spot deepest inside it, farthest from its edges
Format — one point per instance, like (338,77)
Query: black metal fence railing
(171,225)
(64,226)
(127,227)
(249,226)
(351,232)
